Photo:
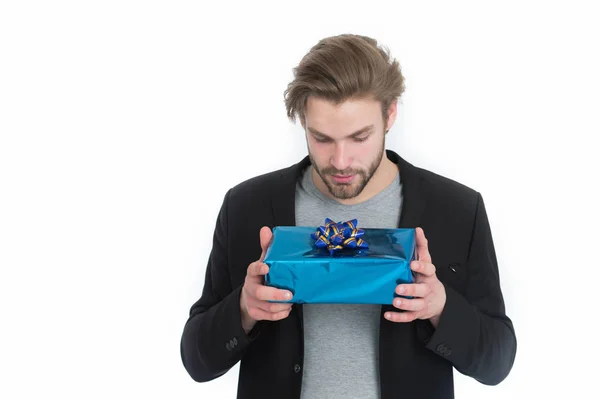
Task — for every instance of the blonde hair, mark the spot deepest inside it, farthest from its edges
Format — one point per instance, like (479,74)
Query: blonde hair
(343,67)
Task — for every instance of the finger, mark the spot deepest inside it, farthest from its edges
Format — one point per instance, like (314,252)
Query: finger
(414,305)
(401,317)
(257,269)
(265,239)
(273,307)
(259,314)
(416,290)
(265,293)
(422,246)
(425,268)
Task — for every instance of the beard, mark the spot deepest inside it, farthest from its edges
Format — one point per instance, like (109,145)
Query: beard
(356,186)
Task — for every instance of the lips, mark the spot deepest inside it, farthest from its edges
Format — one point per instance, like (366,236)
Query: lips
(343,179)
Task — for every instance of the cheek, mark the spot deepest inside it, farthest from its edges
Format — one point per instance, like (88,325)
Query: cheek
(321,152)
(364,152)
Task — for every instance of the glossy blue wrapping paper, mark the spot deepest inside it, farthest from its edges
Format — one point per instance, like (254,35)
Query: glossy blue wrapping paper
(357,276)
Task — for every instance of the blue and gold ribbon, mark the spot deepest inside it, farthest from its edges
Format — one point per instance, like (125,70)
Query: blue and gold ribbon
(337,236)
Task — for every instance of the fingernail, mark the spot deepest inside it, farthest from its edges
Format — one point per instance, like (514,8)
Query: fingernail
(287,295)
(401,289)
(416,265)
(397,302)
(387,316)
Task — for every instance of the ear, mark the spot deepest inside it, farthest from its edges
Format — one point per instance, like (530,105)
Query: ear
(392,113)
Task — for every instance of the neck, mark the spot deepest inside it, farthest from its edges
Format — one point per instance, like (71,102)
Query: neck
(383,177)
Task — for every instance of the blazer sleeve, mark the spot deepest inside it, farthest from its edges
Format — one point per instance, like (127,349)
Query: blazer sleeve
(473,332)
(213,339)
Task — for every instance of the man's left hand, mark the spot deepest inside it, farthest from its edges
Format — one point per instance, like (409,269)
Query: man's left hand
(429,294)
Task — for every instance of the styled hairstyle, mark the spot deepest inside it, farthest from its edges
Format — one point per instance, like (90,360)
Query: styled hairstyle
(342,67)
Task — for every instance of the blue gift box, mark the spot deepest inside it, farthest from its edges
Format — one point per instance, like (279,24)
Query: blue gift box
(350,275)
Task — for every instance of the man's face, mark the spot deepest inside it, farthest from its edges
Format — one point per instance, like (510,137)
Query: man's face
(345,143)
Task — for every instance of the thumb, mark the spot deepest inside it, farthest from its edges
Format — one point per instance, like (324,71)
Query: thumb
(422,246)
(265,239)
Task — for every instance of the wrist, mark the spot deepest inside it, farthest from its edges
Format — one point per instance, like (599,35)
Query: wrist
(435,320)
(247,322)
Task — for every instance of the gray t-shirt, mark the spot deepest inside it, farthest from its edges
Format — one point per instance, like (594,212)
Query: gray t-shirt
(341,342)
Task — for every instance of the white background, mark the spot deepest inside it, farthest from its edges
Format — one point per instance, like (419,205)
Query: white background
(123,123)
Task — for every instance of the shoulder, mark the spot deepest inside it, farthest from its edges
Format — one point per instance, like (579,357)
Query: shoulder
(438,189)
(254,197)
(447,192)
(261,185)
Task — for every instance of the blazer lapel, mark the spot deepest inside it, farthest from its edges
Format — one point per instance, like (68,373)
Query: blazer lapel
(283,204)
(413,204)
(283,195)
(413,191)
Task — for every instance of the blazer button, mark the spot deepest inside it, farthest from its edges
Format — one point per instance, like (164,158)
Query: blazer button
(443,350)
(297,368)
(228,346)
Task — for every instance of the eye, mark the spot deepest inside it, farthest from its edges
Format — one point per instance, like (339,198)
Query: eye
(361,139)
(322,140)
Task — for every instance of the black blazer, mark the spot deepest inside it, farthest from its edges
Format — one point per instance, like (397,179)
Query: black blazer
(474,334)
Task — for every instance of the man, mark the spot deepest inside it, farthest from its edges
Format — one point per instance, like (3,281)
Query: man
(345,94)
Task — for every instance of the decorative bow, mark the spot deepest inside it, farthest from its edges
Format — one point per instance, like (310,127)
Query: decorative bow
(336,236)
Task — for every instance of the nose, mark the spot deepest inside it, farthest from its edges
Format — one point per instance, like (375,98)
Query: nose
(340,158)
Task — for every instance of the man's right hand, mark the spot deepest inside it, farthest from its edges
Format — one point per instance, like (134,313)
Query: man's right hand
(255,297)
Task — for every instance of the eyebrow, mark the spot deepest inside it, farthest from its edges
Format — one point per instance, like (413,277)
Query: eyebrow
(353,135)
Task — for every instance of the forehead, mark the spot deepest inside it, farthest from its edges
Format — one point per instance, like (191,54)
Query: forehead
(352,114)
